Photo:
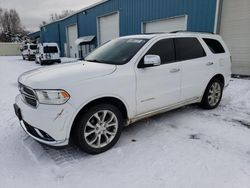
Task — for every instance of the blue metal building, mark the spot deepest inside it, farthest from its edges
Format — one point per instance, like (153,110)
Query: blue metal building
(35,36)
(79,33)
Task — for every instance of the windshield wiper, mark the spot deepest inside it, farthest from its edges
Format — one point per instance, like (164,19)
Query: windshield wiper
(98,61)
(104,62)
(94,60)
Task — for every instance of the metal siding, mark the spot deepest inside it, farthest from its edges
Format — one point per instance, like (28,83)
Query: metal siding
(201,16)
(50,33)
(235,30)
(34,35)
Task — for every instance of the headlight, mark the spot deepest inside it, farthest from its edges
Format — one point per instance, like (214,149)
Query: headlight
(52,97)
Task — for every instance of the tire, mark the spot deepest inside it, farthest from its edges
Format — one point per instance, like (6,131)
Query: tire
(23,58)
(42,63)
(213,94)
(59,61)
(88,131)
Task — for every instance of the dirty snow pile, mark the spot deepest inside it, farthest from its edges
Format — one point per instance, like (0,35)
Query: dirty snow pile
(188,147)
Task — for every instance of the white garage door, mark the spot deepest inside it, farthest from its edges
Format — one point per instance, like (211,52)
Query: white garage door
(72,36)
(235,30)
(166,25)
(108,28)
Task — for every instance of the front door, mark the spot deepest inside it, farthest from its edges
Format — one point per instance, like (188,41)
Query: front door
(159,86)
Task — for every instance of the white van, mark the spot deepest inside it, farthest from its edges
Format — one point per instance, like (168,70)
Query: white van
(29,51)
(48,53)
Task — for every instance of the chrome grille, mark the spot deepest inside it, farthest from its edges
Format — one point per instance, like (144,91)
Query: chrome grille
(28,95)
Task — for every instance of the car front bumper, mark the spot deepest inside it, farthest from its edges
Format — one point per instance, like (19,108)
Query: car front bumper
(48,124)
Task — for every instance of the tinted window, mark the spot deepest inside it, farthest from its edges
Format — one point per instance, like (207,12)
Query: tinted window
(215,46)
(50,49)
(188,48)
(117,52)
(164,49)
(33,47)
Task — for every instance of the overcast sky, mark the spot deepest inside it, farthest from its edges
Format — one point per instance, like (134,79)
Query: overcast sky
(33,12)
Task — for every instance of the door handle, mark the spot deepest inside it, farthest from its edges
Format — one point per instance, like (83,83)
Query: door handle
(175,70)
(210,63)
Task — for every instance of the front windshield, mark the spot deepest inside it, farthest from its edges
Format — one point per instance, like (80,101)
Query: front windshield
(117,52)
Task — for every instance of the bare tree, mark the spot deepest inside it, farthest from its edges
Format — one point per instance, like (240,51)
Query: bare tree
(1,13)
(11,28)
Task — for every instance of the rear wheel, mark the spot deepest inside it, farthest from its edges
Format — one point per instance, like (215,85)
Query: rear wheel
(42,63)
(213,94)
(98,129)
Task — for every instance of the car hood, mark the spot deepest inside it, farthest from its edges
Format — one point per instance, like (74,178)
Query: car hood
(61,76)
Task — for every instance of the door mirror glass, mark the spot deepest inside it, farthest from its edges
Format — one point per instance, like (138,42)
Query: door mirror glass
(152,60)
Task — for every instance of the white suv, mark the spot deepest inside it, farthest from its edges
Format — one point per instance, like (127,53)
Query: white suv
(123,81)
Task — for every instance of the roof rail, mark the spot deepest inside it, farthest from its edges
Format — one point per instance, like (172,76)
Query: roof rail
(154,33)
(185,31)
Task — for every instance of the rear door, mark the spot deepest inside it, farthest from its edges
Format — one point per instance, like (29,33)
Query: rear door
(54,52)
(51,52)
(33,49)
(197,68)
(25,50)
(159,86)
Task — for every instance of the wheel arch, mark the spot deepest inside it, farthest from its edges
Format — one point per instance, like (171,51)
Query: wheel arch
(203,102)
(220,77)
(217,76)
(108,100)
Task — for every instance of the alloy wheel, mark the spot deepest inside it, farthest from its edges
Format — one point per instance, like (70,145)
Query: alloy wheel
(101,129)
(214,94)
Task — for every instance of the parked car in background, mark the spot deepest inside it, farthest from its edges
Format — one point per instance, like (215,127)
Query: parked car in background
(48,53)
(123,81)
(29,51)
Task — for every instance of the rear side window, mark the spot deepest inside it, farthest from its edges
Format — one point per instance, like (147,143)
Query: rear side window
(188,48)
(214,45)
(50,49)
(164,49)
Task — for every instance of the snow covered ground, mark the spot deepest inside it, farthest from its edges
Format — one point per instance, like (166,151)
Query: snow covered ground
(188,147)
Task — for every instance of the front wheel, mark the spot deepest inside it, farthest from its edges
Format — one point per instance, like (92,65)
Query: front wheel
(213,94)
(98,129)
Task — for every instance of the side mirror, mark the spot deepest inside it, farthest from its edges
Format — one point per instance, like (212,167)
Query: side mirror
(152,60)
